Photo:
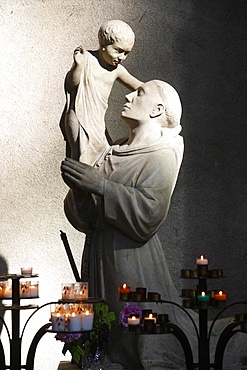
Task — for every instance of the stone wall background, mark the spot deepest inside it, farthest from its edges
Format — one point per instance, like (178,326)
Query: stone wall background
(199,48)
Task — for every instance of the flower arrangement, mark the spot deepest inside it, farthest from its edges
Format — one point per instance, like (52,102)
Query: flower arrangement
(80,345)
(130,309)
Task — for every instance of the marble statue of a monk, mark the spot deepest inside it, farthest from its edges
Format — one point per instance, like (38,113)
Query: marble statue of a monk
(120,205)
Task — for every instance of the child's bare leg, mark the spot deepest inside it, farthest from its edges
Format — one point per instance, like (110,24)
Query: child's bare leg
(72,133)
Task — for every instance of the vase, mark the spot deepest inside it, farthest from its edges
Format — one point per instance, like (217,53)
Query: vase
(90,362)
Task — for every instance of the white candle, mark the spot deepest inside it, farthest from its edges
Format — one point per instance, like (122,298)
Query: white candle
(134,320)
(151,317)
(34,290)
(58,321)
(87,321)
(202,261)
(7,292)
(74,322)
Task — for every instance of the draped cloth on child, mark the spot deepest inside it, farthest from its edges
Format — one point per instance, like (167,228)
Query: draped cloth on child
(90,108)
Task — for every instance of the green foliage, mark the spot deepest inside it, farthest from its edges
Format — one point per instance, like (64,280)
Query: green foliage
(80,347)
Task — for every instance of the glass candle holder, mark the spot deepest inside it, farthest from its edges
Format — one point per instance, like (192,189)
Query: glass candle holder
(34,289)
(86,307)
(74,321)
(68,291)
(58,321)
(2,289)
(202,266)
(81,290)
(25,289)
(148,324)
(123,292)
(154,296)
(143,292)
(26,271)
(56,308)
(87,317)
(6,289)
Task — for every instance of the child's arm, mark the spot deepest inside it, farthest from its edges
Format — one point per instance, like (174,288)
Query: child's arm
(126,79)
(73,76)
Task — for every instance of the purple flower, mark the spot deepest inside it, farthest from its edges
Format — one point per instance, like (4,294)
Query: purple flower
(67,338)
(130,309)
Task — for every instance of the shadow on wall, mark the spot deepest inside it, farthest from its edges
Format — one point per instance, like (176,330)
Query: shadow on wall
(3,271)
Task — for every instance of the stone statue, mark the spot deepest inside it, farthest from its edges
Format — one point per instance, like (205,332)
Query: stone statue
(88,85)
(120,204)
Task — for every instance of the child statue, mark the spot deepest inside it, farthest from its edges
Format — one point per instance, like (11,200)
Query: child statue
(88,85)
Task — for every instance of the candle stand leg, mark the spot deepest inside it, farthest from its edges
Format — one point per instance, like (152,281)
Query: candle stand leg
(224,338)
(179,334)
(2,356)
(32,349)
(15,344)
(203,340)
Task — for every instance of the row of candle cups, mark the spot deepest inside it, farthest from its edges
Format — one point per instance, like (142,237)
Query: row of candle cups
(151,323)
(193,298)
(202,271)
(139,295)
(28,289)
(72,317)
(75,291)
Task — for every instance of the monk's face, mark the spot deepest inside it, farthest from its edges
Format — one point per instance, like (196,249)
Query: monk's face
(141,103)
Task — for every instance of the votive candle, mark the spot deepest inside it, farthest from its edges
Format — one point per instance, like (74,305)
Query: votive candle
(134,320)
(74,322)
(87,320)
(58,321)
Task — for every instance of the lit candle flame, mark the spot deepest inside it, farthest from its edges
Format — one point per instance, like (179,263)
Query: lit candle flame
(220,292)
(133,318)
(87,312)
(150,316)
(124,286)
(203,294)
(202,257)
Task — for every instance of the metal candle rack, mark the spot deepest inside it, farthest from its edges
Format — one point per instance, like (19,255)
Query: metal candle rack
(203,334)
(15,340)
(15,308)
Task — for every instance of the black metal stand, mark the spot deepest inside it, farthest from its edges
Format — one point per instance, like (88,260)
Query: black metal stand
(203,335)
(15,339)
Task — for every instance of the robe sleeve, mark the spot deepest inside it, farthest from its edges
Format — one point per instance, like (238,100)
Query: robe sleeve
(80,212)
(139,210)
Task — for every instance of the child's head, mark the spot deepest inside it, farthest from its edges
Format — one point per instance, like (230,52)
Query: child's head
(114,31)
